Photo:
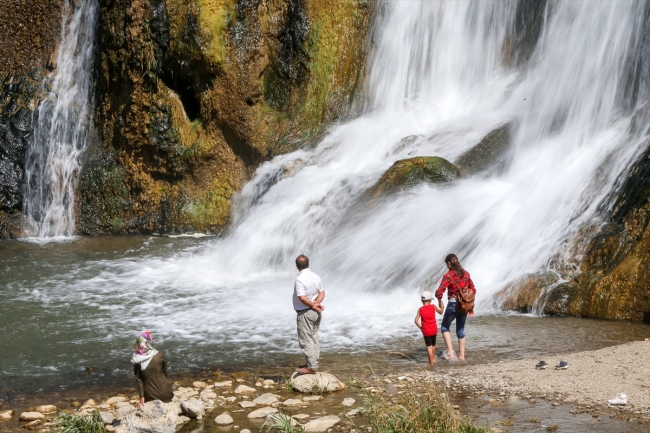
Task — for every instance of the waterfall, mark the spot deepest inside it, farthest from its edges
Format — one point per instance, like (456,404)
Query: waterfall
(439,81)
(59,136)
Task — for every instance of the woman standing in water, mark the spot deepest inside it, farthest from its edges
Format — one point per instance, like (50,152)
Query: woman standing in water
(150,368)
(457,278)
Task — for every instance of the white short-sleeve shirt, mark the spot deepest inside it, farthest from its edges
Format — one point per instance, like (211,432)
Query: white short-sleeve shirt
(307,284)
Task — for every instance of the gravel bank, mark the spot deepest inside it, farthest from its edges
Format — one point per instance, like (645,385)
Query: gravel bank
(593,377)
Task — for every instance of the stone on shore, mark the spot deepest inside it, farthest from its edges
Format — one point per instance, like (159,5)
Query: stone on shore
(114,400)
(292,402)
(224,384)
(245,431)
(348,402)
(319,382)
(247,404)
(241,389)
(193,408)
(266,399)
(199,384)
(262,413)
(107,417)
(155,417)
(279,419)
(312,398)
(353,412)
(45,408)
(268,382)
(224,419)
(31,416)
(123,411)
(208,394)
(6,415)
(89,403)
(300,416)
(322,424)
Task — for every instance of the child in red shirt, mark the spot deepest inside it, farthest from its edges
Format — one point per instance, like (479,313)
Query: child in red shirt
(426,321)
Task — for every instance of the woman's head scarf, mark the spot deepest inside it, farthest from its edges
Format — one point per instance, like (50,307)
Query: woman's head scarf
(143,351)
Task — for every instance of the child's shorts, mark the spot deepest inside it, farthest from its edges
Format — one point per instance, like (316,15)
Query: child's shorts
(430,340)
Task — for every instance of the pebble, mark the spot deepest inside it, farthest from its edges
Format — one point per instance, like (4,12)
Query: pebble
(322,424)
(353,412)
(245,431)
(243,388)
(292,402)
(199,384)
(224,384)
(312,398)
(114,400)
(247,404)
(269,382)
(224,419)
(348,402)
(266,399)
(231,399)
(6,415)
(300,416)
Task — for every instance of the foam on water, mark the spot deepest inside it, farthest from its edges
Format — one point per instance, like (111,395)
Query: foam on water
(436,76)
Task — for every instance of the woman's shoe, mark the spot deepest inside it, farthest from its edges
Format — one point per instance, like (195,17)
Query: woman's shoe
(541,365)
(563,365)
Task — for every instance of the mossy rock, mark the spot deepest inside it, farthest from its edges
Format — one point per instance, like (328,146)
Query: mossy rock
(406,173)
(487,153)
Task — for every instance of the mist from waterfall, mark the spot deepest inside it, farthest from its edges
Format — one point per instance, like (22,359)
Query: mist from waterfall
(59,137)
(438,83)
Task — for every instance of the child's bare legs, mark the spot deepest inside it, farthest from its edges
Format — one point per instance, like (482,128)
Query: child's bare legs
(461,348)
(431,351)
(450,349)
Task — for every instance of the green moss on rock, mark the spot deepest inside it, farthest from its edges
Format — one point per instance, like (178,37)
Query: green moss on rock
(488,153)
(410,172)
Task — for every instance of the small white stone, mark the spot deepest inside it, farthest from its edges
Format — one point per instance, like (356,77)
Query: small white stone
(114,400)
(231,399)
(269,382)
(199,384)
(266,399)
(353,412)
(6,415)
(31,416)
(247,404)
(300,416)
(224,384)
(240,380)
(258,383)
(292,402)
(312,398)
(224,419)
(348,402)
(322,424)
(245,431)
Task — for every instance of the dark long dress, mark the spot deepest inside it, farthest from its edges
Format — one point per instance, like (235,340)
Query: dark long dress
(153,382)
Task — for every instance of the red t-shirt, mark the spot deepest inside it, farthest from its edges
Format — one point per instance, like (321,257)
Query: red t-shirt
(429,324)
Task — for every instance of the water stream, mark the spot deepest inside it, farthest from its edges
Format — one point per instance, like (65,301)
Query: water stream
(437,76)
(59,137)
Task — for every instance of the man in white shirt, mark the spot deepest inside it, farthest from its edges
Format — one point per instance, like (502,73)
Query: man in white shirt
(308,294)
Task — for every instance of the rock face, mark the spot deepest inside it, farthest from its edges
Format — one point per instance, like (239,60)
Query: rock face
(319,382)
(409,172)
(193,408)
(322,424)
(488,153)
(192,95)
(29,32)
(155,417)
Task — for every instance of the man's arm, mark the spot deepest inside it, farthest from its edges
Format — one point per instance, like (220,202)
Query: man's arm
(315,304)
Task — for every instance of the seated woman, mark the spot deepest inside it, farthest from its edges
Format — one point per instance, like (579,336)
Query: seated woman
(150,368)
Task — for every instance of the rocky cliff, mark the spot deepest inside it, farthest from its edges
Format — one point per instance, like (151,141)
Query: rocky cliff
(29,32)
(193,95)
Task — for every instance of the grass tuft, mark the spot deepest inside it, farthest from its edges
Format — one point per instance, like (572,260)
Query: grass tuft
(423,408)
(281,423)
(66,423)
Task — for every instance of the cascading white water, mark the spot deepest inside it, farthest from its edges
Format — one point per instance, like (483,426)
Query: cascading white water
(59,136)
(436,76)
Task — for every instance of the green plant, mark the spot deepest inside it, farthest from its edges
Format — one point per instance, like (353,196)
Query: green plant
(423,408)
(286,383)
(282,423)
(66,423)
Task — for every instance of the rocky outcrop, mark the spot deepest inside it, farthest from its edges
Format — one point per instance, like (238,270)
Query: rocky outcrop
(29,32)
(194,95)
(488,153)
(406,173)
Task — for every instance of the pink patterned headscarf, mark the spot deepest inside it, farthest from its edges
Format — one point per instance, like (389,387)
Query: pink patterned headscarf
(144,343)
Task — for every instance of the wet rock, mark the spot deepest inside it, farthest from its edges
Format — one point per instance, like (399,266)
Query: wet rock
(224,419)
(224,384)
(45,408)
(410,172)
(488,153)
(245,431)
(193,408)
(268,382)
(247,404)
(312,398)
(120,404)
(319,382)
(266,399)
(107,417)
(155,417)
(300,416)
(322,424)
(114,400)
(353,412)
(31,416)
(244,389)
(6,415)
(199,384)
(293,403)
(348,402)
(207,394)
(262,413)
(523,294)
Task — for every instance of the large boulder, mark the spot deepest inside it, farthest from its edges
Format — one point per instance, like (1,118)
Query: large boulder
(406,173)
(155,417)
(319,382)
(487,153)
